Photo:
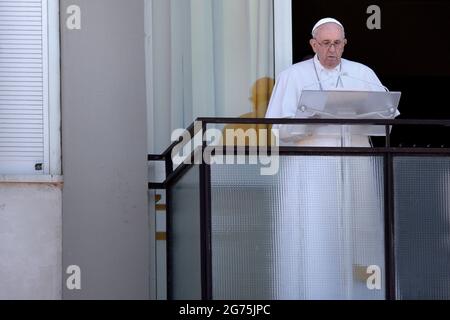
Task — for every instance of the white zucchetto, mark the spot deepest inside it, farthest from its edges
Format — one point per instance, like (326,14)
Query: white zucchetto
(323,21)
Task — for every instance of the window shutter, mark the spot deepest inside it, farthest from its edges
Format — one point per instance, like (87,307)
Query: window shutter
(23,87)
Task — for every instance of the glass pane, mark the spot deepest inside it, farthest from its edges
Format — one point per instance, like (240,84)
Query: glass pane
(422,227)
(184,252)
(309,232)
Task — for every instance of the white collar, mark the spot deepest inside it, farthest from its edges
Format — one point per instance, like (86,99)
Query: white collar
(321,68)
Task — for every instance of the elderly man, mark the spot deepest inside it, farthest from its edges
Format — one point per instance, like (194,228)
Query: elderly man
(326,71)
(330,215)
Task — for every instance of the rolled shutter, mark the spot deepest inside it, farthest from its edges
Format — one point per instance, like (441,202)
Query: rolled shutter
(23,87)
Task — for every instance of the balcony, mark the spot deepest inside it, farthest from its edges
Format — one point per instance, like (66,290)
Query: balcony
(327,223)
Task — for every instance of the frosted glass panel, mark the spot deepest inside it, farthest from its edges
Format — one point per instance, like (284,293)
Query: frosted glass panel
(184,253)
(422,227)
(308,232)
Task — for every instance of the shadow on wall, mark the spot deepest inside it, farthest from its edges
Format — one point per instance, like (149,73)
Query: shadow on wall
(252,134)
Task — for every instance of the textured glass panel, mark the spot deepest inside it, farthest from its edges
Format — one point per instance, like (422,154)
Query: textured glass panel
(185,242)
(422,227)
(308,232)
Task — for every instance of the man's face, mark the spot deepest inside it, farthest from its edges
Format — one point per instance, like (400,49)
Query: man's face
(328,44)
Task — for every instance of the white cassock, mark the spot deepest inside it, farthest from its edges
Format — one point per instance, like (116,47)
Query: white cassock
(331,210)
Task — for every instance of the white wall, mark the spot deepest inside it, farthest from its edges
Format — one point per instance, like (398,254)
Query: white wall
(31,206)
(30,240)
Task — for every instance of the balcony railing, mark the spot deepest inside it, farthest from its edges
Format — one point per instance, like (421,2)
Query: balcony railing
(327,223)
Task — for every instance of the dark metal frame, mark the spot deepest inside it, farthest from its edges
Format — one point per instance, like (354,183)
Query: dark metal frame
(388,153)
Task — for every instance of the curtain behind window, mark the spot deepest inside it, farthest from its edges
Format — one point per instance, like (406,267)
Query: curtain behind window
(204,58)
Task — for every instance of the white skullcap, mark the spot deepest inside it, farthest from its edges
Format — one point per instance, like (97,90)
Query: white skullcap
(323,21)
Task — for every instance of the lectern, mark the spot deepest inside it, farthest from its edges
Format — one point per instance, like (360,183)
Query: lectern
(340,104)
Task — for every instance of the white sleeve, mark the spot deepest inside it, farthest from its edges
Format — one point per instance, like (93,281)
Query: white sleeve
(372,78)
(283,104)
(285,96)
